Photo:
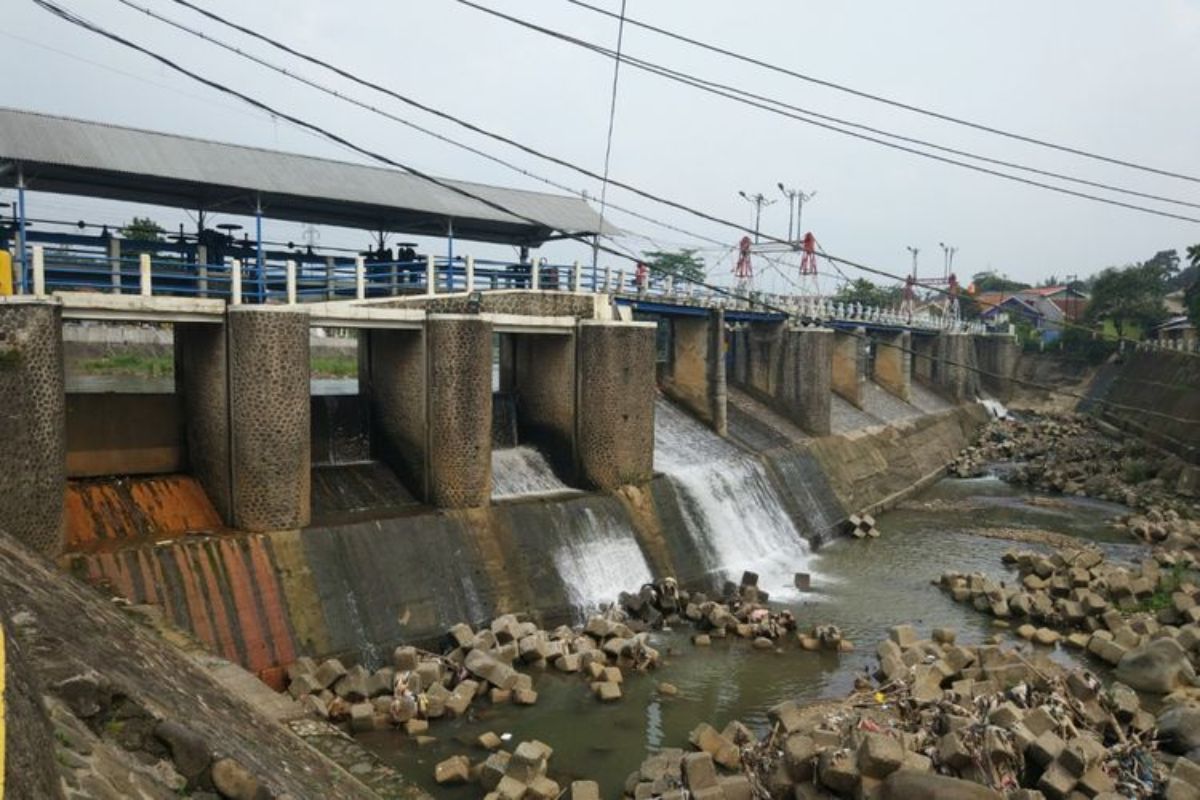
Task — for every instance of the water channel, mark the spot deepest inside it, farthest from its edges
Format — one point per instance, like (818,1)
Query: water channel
(862,586)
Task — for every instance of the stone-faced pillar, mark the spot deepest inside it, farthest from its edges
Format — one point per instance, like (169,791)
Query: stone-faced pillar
(201,381)
(893,363)
(459,456)
(544,386)
(33,426)
(764,368)
(615,418)
(394,379)
(850,364)
(269,417)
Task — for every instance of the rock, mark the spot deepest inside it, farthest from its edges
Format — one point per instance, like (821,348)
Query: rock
(510,788)
(362,717)
(585,790)
(87,694)
(485,666)
(803,581)
(799,756)
(879,755)
(1179,729)
(188,749)
(763,643)
(493,769)
(405,659)
(667,689)
(330,672)
(701,640)
(699,772)
(489,741)
(906,785)
(904,635)
(837,771)
(607,691)
(1159,667)
(736,787)
(234,781)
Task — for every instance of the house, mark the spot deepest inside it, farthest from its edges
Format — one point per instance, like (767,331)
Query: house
(1178,331)
(1070,300)
(1042,313)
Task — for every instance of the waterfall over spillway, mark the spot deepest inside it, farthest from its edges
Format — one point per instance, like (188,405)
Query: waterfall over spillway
(599,559)
(523,470)
(731,508)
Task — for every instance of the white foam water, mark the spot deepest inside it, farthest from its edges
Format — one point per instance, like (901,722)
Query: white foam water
(994,407)
(731,508)
(597,559)
(518,471)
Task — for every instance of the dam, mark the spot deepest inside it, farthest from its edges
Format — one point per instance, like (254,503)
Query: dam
(327,479)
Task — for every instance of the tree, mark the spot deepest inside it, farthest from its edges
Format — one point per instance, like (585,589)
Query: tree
(684,264)
(869,294)
(143,229)
(1132,296)
(992,282)
(1191,296)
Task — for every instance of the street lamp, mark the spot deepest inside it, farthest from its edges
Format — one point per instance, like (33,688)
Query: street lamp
(798,197)
(758,200)
(947,258)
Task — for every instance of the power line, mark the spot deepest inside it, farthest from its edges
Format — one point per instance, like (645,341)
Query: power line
(81,22)
(778,107)
(612,118)
(394,118)
(887,101)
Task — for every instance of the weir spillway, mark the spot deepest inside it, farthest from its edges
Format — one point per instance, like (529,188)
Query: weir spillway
(475,464)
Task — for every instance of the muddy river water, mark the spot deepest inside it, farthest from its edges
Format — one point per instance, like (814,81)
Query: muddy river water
(864,587)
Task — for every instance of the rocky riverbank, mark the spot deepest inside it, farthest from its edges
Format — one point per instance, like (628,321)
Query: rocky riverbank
(1072,454)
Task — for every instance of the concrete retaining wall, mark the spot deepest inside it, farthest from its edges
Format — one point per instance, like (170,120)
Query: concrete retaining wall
(1153,394)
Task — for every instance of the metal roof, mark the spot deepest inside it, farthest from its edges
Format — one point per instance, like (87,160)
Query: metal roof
(71,156)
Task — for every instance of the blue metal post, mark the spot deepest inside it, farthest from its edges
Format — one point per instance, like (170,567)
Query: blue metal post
(23,277)
(262,276)
(450,254)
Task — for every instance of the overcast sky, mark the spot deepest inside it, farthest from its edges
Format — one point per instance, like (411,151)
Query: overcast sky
(1109,76)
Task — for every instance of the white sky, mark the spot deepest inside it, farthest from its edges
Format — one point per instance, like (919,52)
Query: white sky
(1118,78)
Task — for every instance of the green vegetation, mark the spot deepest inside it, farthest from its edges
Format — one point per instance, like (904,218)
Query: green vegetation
(1191,295)
(141,366)
(143,229)
(869,294)
(334,367)
(994,282)
(684,264)
(1168,584)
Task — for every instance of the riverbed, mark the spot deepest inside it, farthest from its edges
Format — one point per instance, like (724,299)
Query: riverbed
(864,587)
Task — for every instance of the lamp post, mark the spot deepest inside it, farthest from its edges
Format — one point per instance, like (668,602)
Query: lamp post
(758,200)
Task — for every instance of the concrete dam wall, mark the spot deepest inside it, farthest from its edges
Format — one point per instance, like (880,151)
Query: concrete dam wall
(359,588)
(480,463)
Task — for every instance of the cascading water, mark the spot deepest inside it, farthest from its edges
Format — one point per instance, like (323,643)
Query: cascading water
(731,508)
(596,556)
(523,470)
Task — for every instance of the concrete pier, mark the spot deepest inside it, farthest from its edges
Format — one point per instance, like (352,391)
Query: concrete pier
(850,364)
(459,455)
(202,383)
(892,365)
(542,380)
(996,355)
(615,411)
(393,378)
(270,418)
(955,359)
(789,369)
(33,459)
(695,376)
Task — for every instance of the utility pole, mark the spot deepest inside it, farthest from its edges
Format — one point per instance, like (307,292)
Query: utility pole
(796,199)
(758,200)
(947,258)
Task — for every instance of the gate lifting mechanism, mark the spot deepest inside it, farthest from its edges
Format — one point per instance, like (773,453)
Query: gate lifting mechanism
(950,306)
(807,247)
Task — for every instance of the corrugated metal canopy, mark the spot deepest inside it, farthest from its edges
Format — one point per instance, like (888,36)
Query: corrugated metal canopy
(70,156)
